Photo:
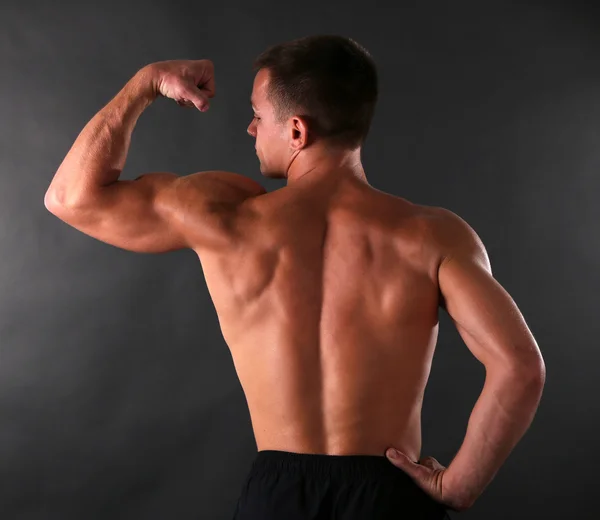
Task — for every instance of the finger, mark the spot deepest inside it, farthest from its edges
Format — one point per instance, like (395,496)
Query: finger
(399,459)
(403,462)
(199,100)
(185,103)
(206,82)
(208,88)
(432,462)
(399,456)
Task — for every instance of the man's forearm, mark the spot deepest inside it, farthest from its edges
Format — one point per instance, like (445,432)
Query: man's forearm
(98,155)
(500,417)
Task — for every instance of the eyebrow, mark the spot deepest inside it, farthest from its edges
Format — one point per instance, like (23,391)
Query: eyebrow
(252,102)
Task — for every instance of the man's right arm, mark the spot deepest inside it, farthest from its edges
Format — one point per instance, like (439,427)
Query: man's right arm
(495,331)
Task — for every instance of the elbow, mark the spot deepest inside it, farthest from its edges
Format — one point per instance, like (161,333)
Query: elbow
(530,371)
(536,371)
(54,199)
(55,203)
(535,381)
(50,201)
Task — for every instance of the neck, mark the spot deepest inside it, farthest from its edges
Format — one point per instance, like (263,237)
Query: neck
(320,164)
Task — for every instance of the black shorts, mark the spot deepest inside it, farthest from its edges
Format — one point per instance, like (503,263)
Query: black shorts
(296,486)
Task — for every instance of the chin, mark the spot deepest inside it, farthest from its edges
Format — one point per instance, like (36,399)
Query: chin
(269,173)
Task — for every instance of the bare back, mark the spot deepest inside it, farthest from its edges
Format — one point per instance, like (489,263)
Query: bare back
(329,305)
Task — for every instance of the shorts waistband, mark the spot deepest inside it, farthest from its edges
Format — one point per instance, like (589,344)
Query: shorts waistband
(358,466)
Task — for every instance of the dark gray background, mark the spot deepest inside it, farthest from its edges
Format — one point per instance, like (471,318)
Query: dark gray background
(118,396)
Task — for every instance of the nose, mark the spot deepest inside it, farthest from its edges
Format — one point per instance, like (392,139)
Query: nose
(250,129)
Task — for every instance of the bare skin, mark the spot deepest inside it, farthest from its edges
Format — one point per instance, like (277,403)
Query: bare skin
(327,290)
(328,302)
(327,297)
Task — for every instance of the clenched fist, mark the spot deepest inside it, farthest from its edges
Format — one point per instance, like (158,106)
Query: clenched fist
(188,82)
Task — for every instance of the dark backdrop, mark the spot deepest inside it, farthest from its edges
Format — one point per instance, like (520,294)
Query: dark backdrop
(118,396)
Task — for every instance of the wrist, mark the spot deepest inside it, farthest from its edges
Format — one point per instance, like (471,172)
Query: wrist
(455,491)
(147,80)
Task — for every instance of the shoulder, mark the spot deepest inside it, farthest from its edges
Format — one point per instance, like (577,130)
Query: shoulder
(216,191)
(224,183)
(209,206)
(455,237)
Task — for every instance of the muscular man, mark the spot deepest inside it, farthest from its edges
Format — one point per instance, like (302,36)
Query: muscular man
(327,290)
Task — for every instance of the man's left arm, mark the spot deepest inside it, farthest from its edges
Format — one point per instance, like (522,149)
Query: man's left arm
(149,213)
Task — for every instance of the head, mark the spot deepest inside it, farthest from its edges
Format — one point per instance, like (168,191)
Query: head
(313,101)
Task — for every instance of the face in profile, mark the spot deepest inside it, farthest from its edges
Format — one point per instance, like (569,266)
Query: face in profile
(272,140)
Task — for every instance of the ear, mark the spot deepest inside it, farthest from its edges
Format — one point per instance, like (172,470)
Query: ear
(300,133)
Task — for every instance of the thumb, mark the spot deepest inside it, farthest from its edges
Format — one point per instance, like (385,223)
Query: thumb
(400,460)
(199,100)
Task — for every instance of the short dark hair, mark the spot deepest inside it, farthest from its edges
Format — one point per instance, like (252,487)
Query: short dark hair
(329,80)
